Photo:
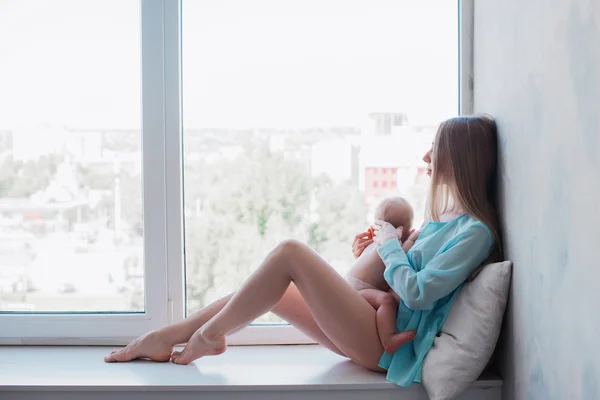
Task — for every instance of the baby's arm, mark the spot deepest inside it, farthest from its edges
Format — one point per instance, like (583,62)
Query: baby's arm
(410,241)
(368,250)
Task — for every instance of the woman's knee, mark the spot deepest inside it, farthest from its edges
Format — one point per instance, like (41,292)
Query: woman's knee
(290,247)
(286,253)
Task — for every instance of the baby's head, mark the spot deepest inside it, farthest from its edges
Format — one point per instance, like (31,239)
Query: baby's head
(397,212)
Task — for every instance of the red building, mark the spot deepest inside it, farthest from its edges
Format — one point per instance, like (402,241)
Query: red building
(381,182)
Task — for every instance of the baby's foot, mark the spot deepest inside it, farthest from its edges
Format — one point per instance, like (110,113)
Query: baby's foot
(392,343)
(198,346)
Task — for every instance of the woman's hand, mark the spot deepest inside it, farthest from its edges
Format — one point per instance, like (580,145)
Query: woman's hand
(361,242)
(385,231)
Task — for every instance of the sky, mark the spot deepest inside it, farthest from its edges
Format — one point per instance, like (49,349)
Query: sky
(246,63)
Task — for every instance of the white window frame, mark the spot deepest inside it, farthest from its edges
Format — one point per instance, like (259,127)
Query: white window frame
(57,328)
(164,289)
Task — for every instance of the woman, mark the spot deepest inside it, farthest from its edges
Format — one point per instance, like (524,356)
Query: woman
(298,285)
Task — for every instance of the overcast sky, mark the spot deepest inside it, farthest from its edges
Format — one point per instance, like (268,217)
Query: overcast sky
(246,63)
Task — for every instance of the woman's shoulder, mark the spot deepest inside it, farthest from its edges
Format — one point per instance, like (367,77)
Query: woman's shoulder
(471,227)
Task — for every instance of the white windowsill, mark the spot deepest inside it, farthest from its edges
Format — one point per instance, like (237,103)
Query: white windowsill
(241,369)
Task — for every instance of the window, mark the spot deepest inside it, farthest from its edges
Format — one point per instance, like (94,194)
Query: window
(71,188)
(79,259)
(133,132)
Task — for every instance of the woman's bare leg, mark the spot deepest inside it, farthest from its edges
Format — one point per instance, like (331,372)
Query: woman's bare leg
(343,315)
(293,309)
(158,345)
(387,309)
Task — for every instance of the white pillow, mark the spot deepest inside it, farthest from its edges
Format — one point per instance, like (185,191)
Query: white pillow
(468,337)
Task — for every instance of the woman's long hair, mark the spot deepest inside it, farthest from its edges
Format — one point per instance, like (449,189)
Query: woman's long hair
(464,169)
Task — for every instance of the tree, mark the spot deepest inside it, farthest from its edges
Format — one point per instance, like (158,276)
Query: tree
(238,210)
(24,178)
(245,206)
(341,213)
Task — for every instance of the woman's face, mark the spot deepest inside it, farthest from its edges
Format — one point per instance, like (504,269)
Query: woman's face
(428,158)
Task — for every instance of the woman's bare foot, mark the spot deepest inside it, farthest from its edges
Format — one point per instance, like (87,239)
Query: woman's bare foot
(151,345)
(392,343)
(199,346)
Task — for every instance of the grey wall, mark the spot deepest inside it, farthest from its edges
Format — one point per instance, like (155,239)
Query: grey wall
(537,70)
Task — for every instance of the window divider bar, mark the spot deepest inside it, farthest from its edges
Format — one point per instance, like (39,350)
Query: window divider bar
(173,152)
(154,162)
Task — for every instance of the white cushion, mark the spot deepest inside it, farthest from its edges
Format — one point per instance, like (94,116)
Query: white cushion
(468,337)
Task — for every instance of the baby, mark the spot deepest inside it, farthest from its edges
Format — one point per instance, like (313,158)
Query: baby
(366,275)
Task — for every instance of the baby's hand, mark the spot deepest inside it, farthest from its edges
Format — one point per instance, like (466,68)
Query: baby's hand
(410,241)
(371,233)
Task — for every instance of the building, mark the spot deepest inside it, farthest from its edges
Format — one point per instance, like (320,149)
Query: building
(383,123)
(390,164)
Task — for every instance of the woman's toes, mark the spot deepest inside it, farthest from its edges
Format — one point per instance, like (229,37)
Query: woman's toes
(175,355)
(122,355)
(183,358)
(112,357)
(108,358)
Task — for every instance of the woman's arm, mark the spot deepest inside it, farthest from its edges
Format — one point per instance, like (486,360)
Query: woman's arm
(444,273)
